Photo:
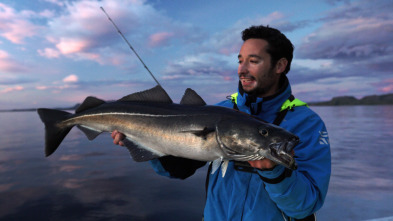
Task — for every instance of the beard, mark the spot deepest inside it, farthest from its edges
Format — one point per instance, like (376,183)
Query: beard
(263,84)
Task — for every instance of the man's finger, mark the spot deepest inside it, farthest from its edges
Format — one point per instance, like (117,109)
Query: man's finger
(113,134)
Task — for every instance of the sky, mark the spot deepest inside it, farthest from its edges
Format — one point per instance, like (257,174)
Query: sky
(54,53)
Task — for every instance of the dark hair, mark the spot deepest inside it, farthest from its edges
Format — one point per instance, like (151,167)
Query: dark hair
(279,46)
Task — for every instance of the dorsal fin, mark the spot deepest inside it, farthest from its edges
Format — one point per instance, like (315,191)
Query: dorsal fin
(190,97)
(89,103)
(156,94)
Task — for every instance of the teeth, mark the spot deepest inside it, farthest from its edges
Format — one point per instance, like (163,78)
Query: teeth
(246,79)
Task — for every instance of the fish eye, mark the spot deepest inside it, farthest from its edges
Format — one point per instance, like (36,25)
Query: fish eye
(264,132)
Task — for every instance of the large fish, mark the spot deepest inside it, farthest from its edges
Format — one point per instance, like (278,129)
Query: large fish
(154,127)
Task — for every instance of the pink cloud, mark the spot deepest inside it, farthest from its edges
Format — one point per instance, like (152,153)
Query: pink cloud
(387,89)
(159,39)
(11,89)
(228,78)
(71,79)
(49,53)
(3,54)
(229,49)
(13,25)
(41,87)
(388,85)
(69,45)
(7,64)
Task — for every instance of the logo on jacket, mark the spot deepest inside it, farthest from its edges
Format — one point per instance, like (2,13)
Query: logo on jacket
(323,137)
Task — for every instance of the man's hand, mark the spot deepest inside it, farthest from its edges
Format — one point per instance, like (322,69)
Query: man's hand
(118,138)
(264,164)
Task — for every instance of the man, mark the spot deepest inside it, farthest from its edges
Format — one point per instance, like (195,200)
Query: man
(265,191)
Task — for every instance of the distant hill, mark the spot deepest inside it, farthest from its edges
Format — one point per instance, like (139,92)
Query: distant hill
(386,99)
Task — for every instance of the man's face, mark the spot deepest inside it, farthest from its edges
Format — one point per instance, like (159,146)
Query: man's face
(255,72)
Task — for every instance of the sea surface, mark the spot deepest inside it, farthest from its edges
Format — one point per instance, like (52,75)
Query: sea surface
(96,180)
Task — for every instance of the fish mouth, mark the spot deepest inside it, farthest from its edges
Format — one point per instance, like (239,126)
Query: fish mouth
(281,153)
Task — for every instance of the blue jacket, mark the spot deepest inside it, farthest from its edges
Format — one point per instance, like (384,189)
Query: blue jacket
(274,194)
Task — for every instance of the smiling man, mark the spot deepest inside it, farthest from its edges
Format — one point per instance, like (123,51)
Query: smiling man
(262,190)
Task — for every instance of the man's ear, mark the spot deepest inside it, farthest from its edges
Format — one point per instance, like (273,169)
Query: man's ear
(281,65)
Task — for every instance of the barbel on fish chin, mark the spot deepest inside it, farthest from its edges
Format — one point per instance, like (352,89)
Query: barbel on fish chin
(154,127)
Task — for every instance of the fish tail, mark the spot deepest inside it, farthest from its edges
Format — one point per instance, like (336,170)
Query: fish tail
(54,134)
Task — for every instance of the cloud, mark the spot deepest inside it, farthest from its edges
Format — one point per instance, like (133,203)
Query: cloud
(357,86)
(69,82)
(83,32)
(229,41)
(160,39)
(11,89)
(217,56)
(56,2)
(15,26)
(349,32)
(49,53)
(10,65)
(200,66)
(71,79)
(72,45)
(7,81)
(355,40)
(385,85)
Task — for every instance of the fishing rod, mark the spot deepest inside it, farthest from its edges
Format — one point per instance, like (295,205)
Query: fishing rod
(129,45)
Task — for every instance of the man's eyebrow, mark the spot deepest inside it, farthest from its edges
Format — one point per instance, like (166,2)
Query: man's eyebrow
(251,56)
(254,56)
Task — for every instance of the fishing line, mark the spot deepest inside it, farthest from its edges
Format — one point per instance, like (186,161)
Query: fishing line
(129,45)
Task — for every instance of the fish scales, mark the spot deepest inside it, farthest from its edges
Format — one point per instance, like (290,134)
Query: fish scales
(137,126)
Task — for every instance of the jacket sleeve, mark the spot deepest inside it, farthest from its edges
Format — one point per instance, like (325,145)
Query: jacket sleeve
(302,192)
(176,167)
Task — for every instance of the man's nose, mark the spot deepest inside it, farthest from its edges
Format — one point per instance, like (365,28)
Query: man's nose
(243,68)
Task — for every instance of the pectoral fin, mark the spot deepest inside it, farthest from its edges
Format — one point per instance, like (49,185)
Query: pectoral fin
(217,163)
(224,167)
(201,133)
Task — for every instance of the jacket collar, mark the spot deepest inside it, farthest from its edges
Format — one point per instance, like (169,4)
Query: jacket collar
(265,106)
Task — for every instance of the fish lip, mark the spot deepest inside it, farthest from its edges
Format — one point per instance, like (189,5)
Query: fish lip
(280,153)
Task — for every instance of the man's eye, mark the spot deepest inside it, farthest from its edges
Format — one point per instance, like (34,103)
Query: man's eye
(239,62)
(254,61)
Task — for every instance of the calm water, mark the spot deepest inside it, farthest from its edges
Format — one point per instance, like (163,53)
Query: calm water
(97,180)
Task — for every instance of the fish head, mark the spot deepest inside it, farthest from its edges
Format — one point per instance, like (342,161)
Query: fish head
(251,139)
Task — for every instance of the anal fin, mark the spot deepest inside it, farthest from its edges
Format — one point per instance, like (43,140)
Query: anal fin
(90,133)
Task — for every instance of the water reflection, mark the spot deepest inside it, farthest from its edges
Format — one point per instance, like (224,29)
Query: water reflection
(362,177)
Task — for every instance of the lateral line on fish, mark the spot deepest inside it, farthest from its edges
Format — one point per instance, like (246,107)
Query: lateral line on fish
(129,114)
